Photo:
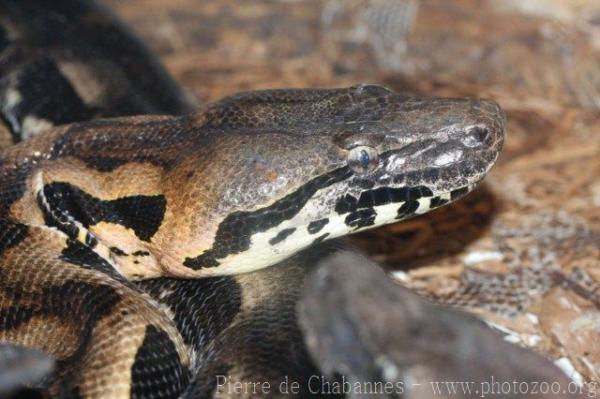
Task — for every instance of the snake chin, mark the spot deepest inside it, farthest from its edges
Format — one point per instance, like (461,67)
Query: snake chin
(316,222)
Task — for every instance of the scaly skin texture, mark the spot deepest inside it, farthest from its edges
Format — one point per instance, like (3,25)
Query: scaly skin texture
(139,197)
(87,208)
(68,61)
(222,193)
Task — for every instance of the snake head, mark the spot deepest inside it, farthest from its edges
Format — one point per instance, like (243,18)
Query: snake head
(256,177)
(296,167)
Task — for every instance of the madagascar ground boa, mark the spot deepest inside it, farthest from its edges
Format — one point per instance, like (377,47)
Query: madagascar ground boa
(100,220)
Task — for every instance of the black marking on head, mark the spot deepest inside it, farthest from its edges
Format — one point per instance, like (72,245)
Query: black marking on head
(423,191)
(431,175)
(157,371)
(80,255)
(407,209)
(363,183)
(361,218)
(317,225)
(345,204)
(436,202)
(141,213)
(236,230)
(282,235)
(11,234)
(367,199)
(455,194)
(380,196)
(320,238)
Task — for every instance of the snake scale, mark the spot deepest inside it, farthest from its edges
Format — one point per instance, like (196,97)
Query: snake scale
(148,254)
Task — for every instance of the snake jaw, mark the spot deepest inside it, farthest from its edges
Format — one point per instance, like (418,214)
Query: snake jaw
(384,157)
(242,192)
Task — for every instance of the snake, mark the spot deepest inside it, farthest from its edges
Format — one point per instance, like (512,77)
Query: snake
(149,246)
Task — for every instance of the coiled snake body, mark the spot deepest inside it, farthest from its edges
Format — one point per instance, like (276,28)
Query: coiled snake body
(101,219)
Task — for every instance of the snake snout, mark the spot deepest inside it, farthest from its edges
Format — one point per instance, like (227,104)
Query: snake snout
(477,135)
(488,126)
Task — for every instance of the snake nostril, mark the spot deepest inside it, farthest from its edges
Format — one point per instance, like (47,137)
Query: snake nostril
(476,136)
(479,134)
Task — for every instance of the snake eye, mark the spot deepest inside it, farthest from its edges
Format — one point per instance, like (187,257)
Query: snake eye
(363,159)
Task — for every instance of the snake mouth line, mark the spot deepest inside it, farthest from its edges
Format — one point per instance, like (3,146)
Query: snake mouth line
(387,205)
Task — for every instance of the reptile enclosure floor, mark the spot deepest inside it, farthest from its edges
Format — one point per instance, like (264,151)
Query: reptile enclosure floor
(523,251)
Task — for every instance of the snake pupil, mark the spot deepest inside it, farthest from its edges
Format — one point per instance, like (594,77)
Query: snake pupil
(364,159)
